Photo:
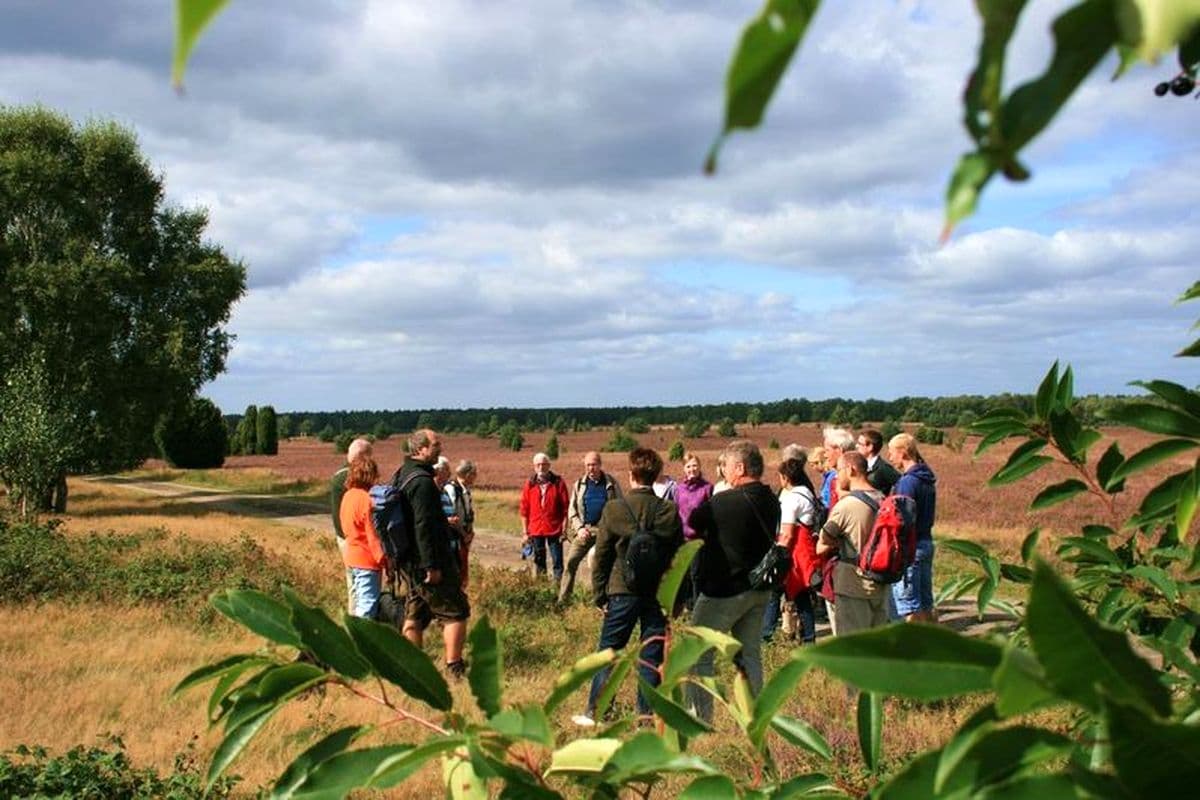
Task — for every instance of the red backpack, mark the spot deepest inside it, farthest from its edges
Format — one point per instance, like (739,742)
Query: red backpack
(891,546)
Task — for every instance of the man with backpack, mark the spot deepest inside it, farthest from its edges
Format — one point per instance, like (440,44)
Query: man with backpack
(738,527)
(589,495)
(861,602)
(337,490)
(913,594)
(431,576)
(636,538)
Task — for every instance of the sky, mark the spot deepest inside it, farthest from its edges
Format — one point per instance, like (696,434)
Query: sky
(473,204)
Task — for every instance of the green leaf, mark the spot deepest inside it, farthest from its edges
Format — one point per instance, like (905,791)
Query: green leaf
(221,699)
(1057,493)
(870,728)
(726,645)
(616,676)
(710,787)
(1155,419)
(1029,544)
(646,756)
(583,756)
(1089,551)
(1020,684)
(209,672)
(1183,399)
(338,775)
(1023,461)
(1080,657)
(1070,436)
(987,590)
(1162,499)
(1083,35)
(1000,754)
(1155,27)
(235,741)
(674,715)
(775,692)
(915,660)
(952,753)
(914,781)
(487,666)
(581,672)
(812,785)
(1107,466)
(1016,573)
(399,768)
(762,56)
(1158,578)
(1065,395)
(262,614)
(981,100)
(672,579)
(973,172)
(801,734)
(686,649)
(272,688)
(400,662)
(1043,401)
(325,639)
(528,722)
(1185,507)
(191,18)
(306,762)
(964,547)
(1189,57)
(1153,759)
(461,780)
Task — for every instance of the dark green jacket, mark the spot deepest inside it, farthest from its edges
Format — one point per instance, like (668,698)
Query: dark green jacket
(616,527)
(337,490)
(883,476)
(424,518)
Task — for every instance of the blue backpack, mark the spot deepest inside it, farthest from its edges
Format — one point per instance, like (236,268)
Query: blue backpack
(387,512)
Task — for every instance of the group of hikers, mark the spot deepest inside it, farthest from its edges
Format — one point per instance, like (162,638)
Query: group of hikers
(770,558)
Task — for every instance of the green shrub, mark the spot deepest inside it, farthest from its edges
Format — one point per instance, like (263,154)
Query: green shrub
(620,442)
(381,430)
(552,446)
(327,434)
(773,444)
(888,429)
(192,437)
(102,772)
(694,428)
(245,438)
(676,452)
(930,435)
(341,442)
(267,432)
(637,425)
(510,436)
(726,428)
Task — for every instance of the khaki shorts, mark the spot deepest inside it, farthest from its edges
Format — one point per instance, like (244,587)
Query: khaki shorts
(445,601)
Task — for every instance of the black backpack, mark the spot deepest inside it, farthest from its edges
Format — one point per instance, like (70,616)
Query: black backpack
(647,557)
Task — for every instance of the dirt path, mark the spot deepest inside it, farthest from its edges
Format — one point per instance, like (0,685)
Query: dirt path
(492,547)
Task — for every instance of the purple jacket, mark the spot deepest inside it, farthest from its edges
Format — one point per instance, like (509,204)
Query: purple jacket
(688,495)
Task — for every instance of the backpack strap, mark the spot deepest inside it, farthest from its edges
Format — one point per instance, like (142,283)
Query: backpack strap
(866,498)
(761,522)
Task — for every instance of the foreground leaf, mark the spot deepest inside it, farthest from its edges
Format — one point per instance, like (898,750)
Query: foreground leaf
(297,772)
(1057,493)
(775,692)
(801,734)
(647,755)
(401,662)
(672,579)
(870,728)
(1080,657)
(914,660)
(579,673)
(586,756)
(1153,759)
(325,639)
(264,615)
(674,715)
(487,666)
(191,18)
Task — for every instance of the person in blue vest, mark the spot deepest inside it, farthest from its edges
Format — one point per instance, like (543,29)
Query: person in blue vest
(913,595)
(588,498)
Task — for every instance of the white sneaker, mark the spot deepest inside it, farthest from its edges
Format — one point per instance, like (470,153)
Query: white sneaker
(584,720)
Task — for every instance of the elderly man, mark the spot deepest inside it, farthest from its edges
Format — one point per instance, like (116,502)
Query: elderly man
(459,492)
(543,510)
(880,473)
(337,490)
(588,497)
(737,526)
(861,603)
(914,594)
(837,441)
(432,580)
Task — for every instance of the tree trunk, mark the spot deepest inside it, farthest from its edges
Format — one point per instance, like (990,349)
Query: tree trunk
(60,494)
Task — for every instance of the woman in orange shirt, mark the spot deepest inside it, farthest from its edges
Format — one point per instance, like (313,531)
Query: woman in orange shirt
(363,555)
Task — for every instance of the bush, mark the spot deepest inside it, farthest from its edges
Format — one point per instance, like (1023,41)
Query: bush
(637,425)
(381,431)
(889,429)
(620,442)
(101,772)
(694,428)
(930,435)
(285,426)
(510,436)
(245,438)
(725,428)
(342,441)
(676,452)
(327,434)
(552,446)
(773,444)
(267,432)
(192,437)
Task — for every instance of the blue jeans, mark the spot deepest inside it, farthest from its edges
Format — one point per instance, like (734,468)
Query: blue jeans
(624,611)
(540,543)
(914,592)
(368,583)
(803,606)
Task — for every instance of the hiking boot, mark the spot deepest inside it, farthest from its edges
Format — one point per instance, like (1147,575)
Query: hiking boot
(457,669)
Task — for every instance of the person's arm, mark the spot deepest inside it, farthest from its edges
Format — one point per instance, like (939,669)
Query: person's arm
(523,509)
(337,490)
(701,519)
(575,506)
(606,556)
(831,535)
(564,503)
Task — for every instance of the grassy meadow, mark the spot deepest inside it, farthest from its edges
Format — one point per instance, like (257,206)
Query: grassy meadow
(105,618)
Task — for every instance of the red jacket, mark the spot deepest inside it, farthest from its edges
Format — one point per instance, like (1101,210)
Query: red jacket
(545,511)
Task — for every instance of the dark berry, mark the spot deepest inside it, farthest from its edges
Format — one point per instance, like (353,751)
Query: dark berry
(1182,85)
(1162,88)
